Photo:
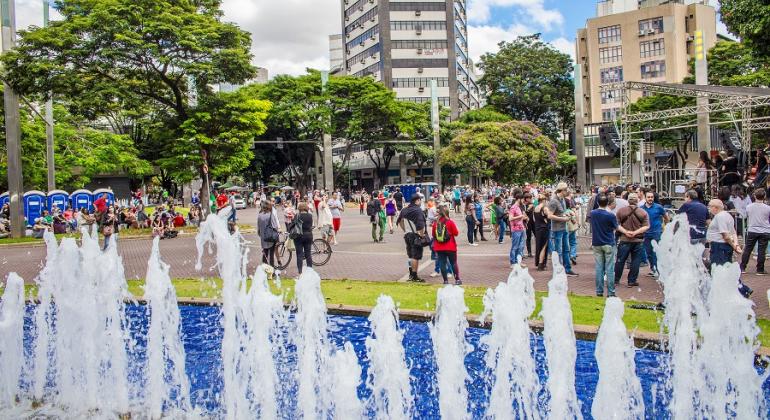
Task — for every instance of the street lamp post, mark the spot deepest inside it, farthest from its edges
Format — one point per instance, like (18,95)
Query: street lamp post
(12,133)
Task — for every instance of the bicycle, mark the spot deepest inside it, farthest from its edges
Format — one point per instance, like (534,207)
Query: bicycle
(320,252)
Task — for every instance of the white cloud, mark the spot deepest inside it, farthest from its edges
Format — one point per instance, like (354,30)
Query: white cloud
(565,45)
(480,11)
(483,39)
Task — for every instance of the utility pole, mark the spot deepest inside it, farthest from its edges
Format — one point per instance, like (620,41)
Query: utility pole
(12,132)
(49,145)
(701,79)
(328,175)
(434,117)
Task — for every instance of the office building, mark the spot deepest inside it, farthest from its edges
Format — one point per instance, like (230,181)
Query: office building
(405,44)
(632,40)
(336,54)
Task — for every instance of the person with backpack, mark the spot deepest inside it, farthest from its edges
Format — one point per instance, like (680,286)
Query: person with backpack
(444,243)
(301,232)
(373,208)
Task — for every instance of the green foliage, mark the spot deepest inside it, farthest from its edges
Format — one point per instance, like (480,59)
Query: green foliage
(486,114)
(509,152)
(735,64)
(749,20)
(530,80)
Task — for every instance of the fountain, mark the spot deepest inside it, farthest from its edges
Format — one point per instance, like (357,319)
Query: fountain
(88,350)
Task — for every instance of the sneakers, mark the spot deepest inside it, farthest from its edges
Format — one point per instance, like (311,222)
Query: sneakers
(474,244)
(450,275)
(434,274)
(573,261)
(630,285)
(571,274)
(761,273)
(458,282)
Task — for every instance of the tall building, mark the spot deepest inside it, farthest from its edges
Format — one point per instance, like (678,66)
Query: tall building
(405,43)
(633,40)
(336,54)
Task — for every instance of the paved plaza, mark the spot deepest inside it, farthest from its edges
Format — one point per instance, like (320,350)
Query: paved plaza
(358,258)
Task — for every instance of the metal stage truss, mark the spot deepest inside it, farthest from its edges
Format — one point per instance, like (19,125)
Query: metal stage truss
(737,102)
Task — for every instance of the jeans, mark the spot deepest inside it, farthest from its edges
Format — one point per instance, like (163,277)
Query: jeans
(438,264)
(721,253)
(604,256)
(471,223)
(751,240)
(501,224)
(517,246)
(560,240)
(304,246)
(573,244)
(448,260)
(626,249)
(652,259)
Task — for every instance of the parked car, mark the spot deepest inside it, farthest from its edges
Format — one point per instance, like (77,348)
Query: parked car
(240,202)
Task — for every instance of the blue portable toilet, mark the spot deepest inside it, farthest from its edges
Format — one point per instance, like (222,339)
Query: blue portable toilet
(4,198)
(81,199)
(59,199)
(110,195)
(34,204)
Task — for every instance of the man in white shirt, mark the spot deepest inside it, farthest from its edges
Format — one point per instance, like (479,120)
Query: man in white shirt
(620,202)
(758,216)
(336,207)
(721,234)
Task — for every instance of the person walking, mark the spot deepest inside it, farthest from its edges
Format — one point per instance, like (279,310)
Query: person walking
(758,217)
(555,210)
(390,212)
(304,243)
(502,218)
(445,245)
(516,218)
(373,208)
(603,227)
(267,229)
(470,220)
(697,214)
(109,225)
(325,220)
(542,232)
(635,222)
(398,199)
(529,210)
(657,216)
(478,207)
(336,208)
(415,235)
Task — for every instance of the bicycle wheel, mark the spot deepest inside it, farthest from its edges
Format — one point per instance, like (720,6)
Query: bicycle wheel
(321,252)
(282,256)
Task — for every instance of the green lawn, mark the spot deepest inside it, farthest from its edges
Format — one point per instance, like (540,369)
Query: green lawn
(586,310)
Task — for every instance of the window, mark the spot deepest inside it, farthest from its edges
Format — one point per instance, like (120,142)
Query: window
(412,82)
(611,96)
(372,70)
(611,75)
(401,63)
(363,37)
(610,114)
(652,48)
(427,25)
(427,45)
(610,54)
(442,100)
(363,55)
(653,69)
(359,23)
(423,6)
(609,34)
(651,26)
(354,8)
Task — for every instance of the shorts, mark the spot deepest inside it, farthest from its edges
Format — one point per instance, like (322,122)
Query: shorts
(414,252)
(336,223)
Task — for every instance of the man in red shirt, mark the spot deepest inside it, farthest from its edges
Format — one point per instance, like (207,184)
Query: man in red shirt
(101,203)
(444,243)
(222,200)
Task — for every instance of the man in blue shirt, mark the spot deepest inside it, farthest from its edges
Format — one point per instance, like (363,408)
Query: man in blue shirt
(697,214)
(480,216)
(657,215)
(603,227)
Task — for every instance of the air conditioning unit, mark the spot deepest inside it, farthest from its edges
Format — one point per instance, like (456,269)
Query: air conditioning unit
(363,60)
(374,55)
(651,31)
(417,12)
(371,1)
(690,38)
(372,37)
(361,43)
(421,89)
(360,8)
(420,70)
(642,32)
(372,19)
(347,18)
(419,31)
(419,51)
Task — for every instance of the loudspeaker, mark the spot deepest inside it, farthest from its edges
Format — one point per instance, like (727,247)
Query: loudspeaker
(609,139)
(730,140)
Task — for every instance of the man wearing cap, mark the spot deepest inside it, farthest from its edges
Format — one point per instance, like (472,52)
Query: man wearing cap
(555,211)
(636,222)
(412,221)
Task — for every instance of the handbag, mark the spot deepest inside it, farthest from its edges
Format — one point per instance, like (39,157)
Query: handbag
(295,229)
(417,239)
(271,234)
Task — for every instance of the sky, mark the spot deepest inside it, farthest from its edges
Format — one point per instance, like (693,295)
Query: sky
(289,36)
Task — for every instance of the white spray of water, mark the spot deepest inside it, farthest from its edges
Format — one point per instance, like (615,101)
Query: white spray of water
(726,354)
(683,277)
(508,348)
(619,392)
(44,313)
(167,383)
(250,319)
(560,347)
(448,335)
(388,373)
(11,341)
(347,377)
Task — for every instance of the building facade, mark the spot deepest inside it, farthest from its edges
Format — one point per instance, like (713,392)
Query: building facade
(336,54)
(632,40)
(405,44)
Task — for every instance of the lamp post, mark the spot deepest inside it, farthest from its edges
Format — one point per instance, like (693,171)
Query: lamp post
(12,133)
(328,164)
(49,141)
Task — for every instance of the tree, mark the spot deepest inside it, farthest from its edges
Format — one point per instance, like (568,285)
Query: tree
(735,64)
(157,53)
(750,20)
(509,152)
(528,79)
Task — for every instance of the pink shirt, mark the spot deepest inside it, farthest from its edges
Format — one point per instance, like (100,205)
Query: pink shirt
(516,225)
